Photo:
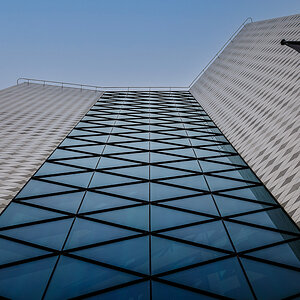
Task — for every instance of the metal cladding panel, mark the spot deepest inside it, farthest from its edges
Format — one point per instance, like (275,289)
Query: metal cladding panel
(34,120)
(251,91)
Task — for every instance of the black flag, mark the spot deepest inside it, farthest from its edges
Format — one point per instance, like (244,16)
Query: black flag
(293,44)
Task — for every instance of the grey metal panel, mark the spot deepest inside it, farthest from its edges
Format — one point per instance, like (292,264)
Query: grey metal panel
(252,92)
(34,119)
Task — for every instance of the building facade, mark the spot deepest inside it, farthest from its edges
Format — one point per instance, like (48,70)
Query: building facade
(145,197)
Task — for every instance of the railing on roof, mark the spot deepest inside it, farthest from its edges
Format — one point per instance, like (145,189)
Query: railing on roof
(219,52)
(97,88)
(134,88)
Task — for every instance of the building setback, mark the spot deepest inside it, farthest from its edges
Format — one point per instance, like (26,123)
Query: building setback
(145,198)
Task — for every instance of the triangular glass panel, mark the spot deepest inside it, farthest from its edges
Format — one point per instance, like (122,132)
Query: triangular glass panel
(287,253)
(184,152)
(188,165)
(161,146)
(17,213)
(88,162)
(218,183)
(248,237)
(224,278)
(73,278)
(50,234)
(111,149)
(61,153)
(179,141)
(165,291)
(104,179)
(119,138)
(195,182)
(96,138)
(94,149)
(77,180)
(37,187)
(208,166)
(258,193)
(86,232)
(141,172)
(139,291)
(229,206)
(11,251)
(135,217)
(167,255)
(66,202)
(162,192)
(110,162)
(131,254)
(138,191)
(211,234)
(201,204)
(272,282)
(139,145)
(243,174)
(274,218)
(26,281)
(160,157)
(97,201)
(162,217)
(203,153)
(157,172)
(136,156)
(74,142)
(231,159)
(52,168)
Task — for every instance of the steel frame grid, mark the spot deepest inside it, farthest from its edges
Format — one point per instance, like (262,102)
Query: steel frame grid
(164,117)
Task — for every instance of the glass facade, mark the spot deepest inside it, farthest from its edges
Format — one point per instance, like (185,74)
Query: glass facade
(146,199)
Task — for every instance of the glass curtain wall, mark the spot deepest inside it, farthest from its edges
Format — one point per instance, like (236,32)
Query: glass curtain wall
(146,199)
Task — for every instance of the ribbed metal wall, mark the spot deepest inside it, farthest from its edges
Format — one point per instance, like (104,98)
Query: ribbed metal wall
(252,92)
(34,120)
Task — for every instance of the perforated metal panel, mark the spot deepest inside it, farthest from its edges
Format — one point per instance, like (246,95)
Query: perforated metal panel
(252,93)
(34,119)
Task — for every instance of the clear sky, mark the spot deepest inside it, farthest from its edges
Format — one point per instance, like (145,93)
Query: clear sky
(121,42)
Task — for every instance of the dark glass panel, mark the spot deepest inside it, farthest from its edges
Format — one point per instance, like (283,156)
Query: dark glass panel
(104,179)
(26,281)
(78,180)
(17,213)
(137,191)
(141,172)
(210,234)
(217,183)
(136,217)
(86,232)
(66,202)
(164,218)
(140,291)
(168,255)
(11,251)
(131,254)
(157,172)
(288,253)
(73,278)
(258,193)
(188,165)
(61,153)
(36,188)
(248,237)
(229,206)
(167,292)
(97,201)
(202,204)
(195,182)
(52,168)
(224,278)
(89,162)
(272,282)
(51,234)
(275,218)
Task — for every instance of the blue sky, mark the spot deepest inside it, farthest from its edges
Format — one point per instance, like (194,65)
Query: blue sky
(121,42)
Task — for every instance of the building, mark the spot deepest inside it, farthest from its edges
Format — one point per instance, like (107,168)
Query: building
(137,194)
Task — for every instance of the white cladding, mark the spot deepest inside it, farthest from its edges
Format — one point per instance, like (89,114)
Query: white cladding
(34,120)
(252,92)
